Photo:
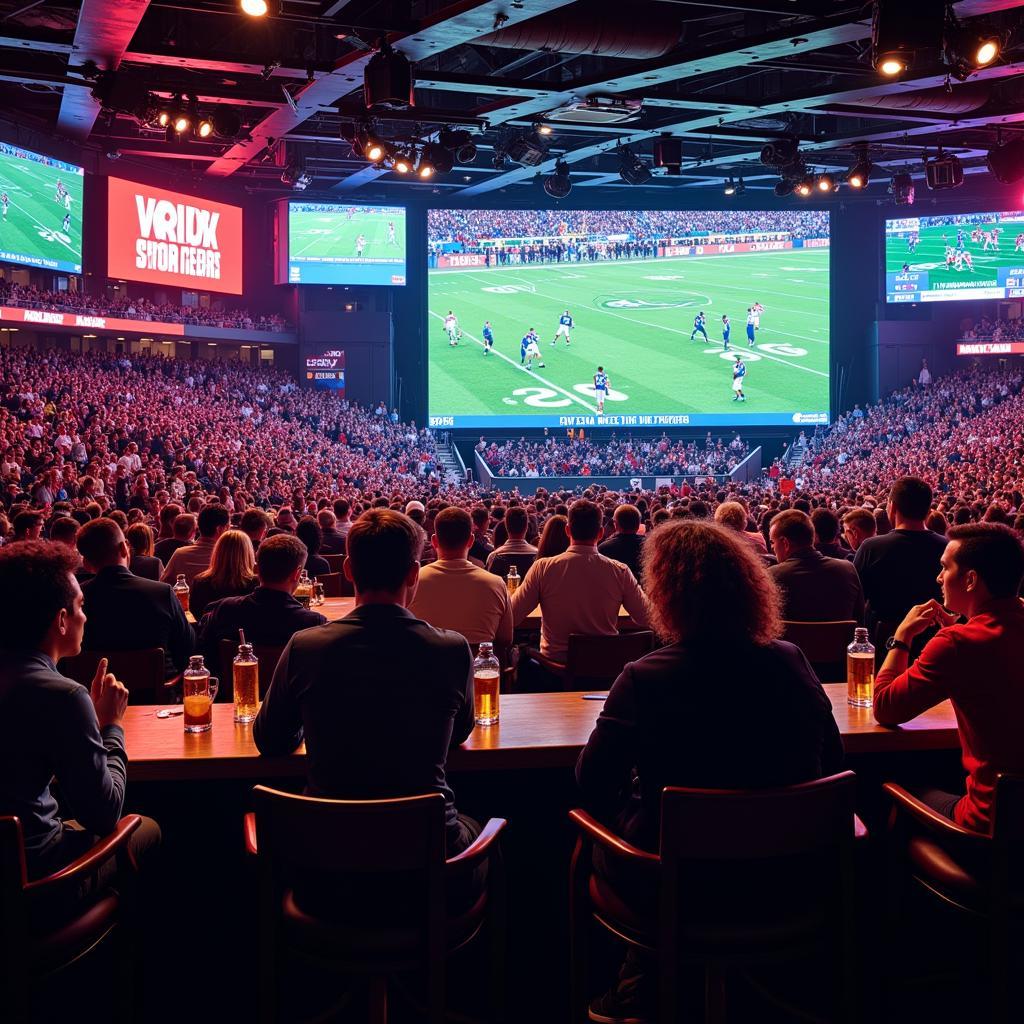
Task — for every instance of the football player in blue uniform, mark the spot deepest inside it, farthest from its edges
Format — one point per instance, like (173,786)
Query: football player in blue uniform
(600,388)
(699,327)
(488,337)
(565,325)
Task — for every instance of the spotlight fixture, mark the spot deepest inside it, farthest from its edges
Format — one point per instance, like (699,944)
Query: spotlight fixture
(526,150)
(965,49)
(438,156)
(804,187)
(901,188)
(460,142)
(860,173)
(404,161)
(780,152)
(901,31)
(668,152)
(784,187)
(181,122)
(944,172)
(387,80)
(425,169)
(290,175)
(498,160)
(259,8)
(1006,162)
(730,187)
(227,123)
(826,183)
(542,129)
(204,128)
(632,170)
(558,184)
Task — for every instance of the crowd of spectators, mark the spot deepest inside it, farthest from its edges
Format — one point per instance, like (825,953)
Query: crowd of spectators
(988,329)
(585,456)
(467,226)
(136,308)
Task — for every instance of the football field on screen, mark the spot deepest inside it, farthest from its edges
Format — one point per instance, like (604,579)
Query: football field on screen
(35,221)
(634,318)
(320,234)
(930,254)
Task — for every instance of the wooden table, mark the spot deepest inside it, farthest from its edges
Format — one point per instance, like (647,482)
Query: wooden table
(537,730)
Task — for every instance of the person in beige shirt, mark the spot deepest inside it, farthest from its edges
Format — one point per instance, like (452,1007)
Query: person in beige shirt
(580,590)
(455,594)
(193,559)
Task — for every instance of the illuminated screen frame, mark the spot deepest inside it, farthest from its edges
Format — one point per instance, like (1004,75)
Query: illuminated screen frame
(633,282)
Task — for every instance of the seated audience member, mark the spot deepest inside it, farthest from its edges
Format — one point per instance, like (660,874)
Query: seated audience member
(455,594)
(254,524)
(379,664)
(232,572)
(54,728)
(826,534)
(898,570)
(64,531)
(343,512)
(308,531)
(936,522)
(284,523)
(184,531)
(975,664)
(515,551)
(142,562)
(858,526)
(125,612)
(332,542)
(579,591)
(626,544)
(213,520)
(270,614)
(554,538)
(28,526)
(482,547)
(165,523)
(733,515)
(740,738)
(814,588)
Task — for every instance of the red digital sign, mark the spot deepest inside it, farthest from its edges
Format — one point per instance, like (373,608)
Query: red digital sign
(45,318)
(989,348)
(173,239)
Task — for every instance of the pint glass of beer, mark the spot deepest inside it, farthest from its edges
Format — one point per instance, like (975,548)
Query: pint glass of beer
(486,686)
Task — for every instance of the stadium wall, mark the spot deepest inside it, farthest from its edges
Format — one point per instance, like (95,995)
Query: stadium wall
(366,340)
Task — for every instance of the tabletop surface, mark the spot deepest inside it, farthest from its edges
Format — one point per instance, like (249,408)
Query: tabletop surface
(537,730)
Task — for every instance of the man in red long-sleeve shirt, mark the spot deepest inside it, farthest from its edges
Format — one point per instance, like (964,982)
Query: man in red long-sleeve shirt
(976,664)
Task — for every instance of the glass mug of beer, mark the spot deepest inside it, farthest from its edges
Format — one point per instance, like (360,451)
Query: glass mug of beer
(199,690)
(486,686)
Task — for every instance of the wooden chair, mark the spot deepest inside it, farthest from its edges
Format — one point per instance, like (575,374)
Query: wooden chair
(141,671)
(332,583)
(334,561)
(383,847)
(742,879)
(824,645)
(267,656)
(31,950)
(977,878)
(594,662)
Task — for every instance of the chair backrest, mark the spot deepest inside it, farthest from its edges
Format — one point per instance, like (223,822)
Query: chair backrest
(593,660)
(351,836)
(332,583)
(334,561)
(823,643)
(143,672)
(268,656)
(13,873)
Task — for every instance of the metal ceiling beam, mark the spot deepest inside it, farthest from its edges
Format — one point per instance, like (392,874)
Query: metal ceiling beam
(451,26)
(104,30)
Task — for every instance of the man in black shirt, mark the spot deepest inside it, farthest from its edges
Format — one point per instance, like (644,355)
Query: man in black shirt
(899,569)
(335,686)
(626,544)
(270,614)
(126,612)
(51,726)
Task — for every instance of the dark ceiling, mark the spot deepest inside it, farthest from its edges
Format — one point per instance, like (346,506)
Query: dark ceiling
(724,77)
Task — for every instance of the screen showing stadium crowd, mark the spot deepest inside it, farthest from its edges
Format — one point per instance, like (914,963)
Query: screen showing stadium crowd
(84,434)
(136,308)
(467,226)
(987,329)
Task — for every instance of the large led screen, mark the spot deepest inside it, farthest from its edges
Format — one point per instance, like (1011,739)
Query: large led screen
(956,256)
(338,243)
(659,303)
(40,210)
(173,239)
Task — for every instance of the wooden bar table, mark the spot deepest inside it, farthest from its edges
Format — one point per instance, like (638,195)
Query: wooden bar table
(537,730)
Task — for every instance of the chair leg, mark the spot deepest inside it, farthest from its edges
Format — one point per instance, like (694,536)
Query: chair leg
(579,935)
(498,927)
(378,1000)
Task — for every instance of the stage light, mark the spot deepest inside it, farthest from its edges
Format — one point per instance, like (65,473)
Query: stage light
(944,172)
(965,50)
(498,160)
(901,188)
(255,8)
(986,50)
(668,152)
(784,187)
(182,123)
(163,118)
(370,146)
(558,184)
(860,173)
(526,151)
(900,32)
(204,129)
(543,129)
(730,187)
(779,152)
(387,80)
(460,142)
(425,169)
(1006,162)
(804,187)
(439,157)
(632,170)
(892,66)
(404,161)
(227,123)
(826,183)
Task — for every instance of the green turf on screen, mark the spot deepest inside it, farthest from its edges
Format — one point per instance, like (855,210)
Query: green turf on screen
(332,234)
(634,318)
(35,220)
(930,254)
